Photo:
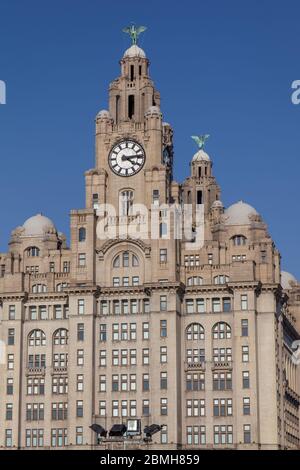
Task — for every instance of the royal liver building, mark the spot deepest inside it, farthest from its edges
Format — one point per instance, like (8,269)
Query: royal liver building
(129,328)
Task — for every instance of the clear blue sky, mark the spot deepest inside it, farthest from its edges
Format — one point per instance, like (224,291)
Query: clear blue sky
(222,67)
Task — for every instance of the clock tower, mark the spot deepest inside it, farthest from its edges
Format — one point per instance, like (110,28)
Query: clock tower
(134,148)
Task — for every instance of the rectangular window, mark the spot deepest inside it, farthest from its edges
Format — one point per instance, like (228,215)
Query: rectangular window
(33,313)
(116,307)
(163,380)
(102,408)
(244,302)
(51,266)
(164,435)
(189,303)
(196,435)
(223,435)
(155,197)
(11,337)
(246,379)
(145,357)
(195,381)
(216,305)
(163,355)
(79,435)
(58,312)
(80,307)
(79,408)
(66,266)
(80,357)
(200,306)
(135,280)
(146,331)
(104,307)
(247,434)
(146,384)
(116,282)
(164,406)
(9,412)
(210,258)
(146,305)
(102,383)
(163,255)
(163,328)
(246,406)
(81,260)
(163,303)
(43,313)
(8,438)
(102,358)
(115,383)
(146,408)
(79,383)
(133,382)
(115,332)
(226,304)
(245,353)
(12,312)
(244,327)
(125,307)
(80,332)
(132,331)
(10,386)
(115,408)
(125,281)
(10,362)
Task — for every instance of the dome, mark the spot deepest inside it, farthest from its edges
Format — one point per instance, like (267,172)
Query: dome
(104,114)
(239,214)
(217,204)
(135,51)
(201,156)
(287,279)
(153,110)
(38,225)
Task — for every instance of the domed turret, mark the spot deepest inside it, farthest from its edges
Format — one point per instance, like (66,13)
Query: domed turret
(201,156)
(37,226)
(134,51)
(287,280)
(103,114)
(240,213)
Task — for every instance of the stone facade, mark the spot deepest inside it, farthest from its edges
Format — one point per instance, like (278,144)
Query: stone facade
(196,339)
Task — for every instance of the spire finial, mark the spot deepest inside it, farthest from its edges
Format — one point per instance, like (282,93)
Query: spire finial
(134,32)
(200,140)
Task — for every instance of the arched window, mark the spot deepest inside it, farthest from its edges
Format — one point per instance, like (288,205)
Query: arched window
(33,251)
(194,332)
(38,288)
(125,260)
(135,260)
(195,281)
(116,262)
(239,240)
(221,330)
(36,338)
(82,234)
(221,279)
(126,202)
(61,286)
(60,337)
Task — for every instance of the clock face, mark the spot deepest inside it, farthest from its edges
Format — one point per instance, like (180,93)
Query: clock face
(127,158)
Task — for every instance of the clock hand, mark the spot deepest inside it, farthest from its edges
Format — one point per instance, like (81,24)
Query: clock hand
(128,157)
